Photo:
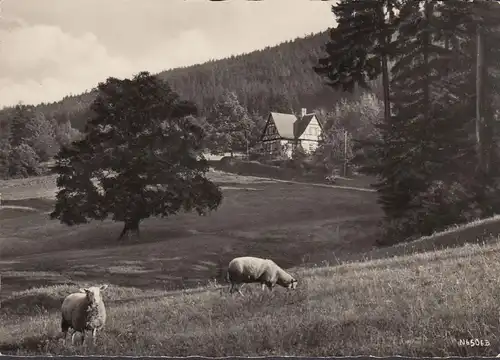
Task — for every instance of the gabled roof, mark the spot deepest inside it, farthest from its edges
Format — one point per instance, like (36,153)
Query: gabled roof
(284,124)
(301,124)
(289,127)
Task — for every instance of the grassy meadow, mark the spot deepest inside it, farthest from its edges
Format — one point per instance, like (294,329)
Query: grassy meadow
(168,297)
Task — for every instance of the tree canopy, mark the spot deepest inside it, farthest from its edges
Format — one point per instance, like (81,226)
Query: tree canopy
(141,156)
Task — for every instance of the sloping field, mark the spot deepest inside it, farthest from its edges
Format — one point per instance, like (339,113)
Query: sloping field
(403,303)
(420,305)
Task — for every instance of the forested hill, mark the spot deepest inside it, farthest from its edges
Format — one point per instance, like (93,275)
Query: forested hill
(279,78)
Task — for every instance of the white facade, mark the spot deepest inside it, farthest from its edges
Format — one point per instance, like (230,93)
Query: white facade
(311,135)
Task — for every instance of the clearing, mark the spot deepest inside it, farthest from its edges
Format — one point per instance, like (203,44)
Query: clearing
(295,224)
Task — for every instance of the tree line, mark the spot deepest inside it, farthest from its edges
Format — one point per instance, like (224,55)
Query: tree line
(435,149)
(233,97)
(28,138)
(278,78)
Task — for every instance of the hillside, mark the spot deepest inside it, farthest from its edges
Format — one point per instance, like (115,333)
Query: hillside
(275,78)
(421,305)
(402,303)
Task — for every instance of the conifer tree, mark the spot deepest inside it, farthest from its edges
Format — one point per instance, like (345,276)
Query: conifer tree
(360,46)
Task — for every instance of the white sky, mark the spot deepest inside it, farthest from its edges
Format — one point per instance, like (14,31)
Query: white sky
(53,48)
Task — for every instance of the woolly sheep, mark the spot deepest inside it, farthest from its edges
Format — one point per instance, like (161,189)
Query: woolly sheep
(248,269)
(83,311)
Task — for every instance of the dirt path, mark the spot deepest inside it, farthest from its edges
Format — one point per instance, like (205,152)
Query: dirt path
(45,186)
(326,185)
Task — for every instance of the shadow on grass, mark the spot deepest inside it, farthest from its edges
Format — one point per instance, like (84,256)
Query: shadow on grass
(41,204)
(6,213)
(32,304)
(34,344)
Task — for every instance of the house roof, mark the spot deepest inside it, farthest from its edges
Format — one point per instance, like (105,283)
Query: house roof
(289,127)
(284,124)
(301,124)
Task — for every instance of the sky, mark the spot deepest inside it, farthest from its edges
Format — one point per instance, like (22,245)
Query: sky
(53,48)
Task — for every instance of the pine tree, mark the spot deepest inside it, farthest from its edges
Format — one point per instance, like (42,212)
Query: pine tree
(360,46)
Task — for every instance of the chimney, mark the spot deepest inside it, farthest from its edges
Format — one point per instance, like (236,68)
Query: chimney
(304,111)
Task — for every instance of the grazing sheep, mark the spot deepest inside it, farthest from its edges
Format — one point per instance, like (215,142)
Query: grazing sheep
(248,269)
(83,311)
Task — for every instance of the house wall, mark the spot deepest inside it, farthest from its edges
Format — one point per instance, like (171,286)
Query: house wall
(288,147)
(271,147)
(309,139)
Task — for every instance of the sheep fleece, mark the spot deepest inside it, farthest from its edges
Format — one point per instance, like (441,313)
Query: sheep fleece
(75,311)
(252,269)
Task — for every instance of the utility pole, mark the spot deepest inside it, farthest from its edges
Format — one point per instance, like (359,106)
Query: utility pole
(246,137)
(345,153)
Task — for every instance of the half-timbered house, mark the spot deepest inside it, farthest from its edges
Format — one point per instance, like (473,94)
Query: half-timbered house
(284,132)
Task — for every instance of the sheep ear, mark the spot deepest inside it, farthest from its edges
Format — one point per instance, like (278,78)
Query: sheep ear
(83,290)
(103,287)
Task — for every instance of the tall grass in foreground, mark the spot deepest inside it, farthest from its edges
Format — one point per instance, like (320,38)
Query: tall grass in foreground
(418,305)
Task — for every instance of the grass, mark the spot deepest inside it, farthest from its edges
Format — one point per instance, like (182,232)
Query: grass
(165,296)
(295,224)
(418,305)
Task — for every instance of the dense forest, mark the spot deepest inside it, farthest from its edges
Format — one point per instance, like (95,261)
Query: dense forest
(436,150)
(279,78)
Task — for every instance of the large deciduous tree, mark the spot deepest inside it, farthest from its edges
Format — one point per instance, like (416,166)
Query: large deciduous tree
(141,156)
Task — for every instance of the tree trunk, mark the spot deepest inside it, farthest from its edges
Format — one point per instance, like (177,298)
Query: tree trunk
(427,40)
(479,99)
(129,227)
(385,66)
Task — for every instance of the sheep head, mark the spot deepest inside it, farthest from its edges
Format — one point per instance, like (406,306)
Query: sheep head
(287,281)
(93,293)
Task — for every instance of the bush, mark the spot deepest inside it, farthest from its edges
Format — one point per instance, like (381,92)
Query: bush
(435,209)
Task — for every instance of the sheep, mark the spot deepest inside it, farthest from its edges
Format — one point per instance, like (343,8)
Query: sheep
(249,269)
(83,311)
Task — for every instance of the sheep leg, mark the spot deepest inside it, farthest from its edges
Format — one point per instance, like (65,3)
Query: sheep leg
(263,287)
(238,287)
(64,329)
(73,338)
(94,336)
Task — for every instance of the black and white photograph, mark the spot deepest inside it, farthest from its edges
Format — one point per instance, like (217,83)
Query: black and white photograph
(250,178)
